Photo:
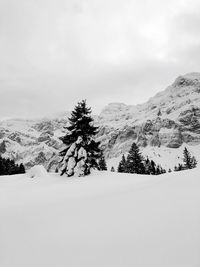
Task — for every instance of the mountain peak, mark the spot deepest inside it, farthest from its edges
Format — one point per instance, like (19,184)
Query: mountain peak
(113,108)
(192,75)
(188,79)
(116,104)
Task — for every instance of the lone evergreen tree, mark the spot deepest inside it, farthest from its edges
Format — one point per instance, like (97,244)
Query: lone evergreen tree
(102,164)
(122,165)
(134,163)
(81,124)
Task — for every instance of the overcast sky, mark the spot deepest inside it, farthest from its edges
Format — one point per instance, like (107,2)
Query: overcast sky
(54,53)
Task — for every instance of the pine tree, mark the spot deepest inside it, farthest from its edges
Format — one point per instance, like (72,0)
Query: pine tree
(175,168)
(122,165)
(158,170)
(81,124)
(153,168)
(112,169)
(150,167)
(21,168)
(102,164)
(180,167)
(189,161)
(194,162)
(147,165)
(12,167)
(134,163)
(120,168)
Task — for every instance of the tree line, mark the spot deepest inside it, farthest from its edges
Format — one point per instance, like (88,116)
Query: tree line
(9,167)
(189,161)
(135,162)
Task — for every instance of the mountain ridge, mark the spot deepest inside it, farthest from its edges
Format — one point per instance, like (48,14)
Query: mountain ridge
(169,119)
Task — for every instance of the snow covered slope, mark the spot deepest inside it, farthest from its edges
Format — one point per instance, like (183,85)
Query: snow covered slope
(105,219)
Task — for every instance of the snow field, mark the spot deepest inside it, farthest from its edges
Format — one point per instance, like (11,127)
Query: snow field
(103,220)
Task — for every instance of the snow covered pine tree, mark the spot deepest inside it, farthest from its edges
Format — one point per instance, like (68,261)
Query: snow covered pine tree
(81,125)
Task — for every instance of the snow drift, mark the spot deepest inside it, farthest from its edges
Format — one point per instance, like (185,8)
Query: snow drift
(37,171)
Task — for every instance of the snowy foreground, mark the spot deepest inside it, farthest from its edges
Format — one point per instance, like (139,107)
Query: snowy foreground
(104,220)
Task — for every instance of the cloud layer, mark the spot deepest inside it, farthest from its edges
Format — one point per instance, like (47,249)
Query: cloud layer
(55,53)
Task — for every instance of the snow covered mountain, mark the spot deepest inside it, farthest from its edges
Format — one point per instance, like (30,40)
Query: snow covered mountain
(169,120)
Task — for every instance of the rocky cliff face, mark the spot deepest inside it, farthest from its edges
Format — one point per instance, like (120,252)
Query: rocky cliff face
(31,142)
(170,118)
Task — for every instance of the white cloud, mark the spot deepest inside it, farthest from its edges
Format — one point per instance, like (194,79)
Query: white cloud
(54,53)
